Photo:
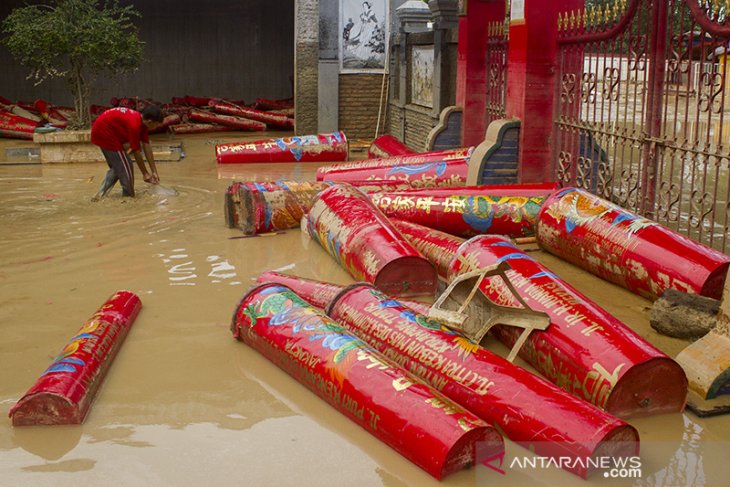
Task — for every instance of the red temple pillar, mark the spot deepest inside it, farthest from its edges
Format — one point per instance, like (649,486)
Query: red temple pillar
(531,81)
(471,73)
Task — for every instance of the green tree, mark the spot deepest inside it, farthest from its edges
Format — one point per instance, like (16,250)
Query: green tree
(76,40)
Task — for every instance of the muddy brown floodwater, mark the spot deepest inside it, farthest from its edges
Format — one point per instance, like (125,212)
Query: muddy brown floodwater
(185,404)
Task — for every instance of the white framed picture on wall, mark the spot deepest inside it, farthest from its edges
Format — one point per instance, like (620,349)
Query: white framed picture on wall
(422,76)
(363,35)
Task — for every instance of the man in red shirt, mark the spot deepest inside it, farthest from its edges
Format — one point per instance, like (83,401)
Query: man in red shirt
(118,129)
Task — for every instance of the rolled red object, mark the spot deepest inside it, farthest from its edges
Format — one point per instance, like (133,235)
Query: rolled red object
(268,118)
(29,106)
(197,101)
(440,168)
(167,122)
(585,350)
(344,169)
(96,110)
(438,247)
(507,209)
(65,391)
(58,115)
(269,206)
(363,241)
(320,293)
(173,108)
(388,146)
(238,123)
(289,112)
(379,185)
(529,410)
(627,249)
(305,148)
(262,207)
(199,128)
(16,127)
(390,403)
(266,104)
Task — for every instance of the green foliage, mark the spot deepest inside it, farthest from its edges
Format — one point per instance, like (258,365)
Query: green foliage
(75,39)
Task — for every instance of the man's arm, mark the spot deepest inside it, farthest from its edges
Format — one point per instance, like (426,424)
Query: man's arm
(140,163)
(151,161)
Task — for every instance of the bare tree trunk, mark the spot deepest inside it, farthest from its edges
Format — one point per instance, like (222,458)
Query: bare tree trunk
(80,89)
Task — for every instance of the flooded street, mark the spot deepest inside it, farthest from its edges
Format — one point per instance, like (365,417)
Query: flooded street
(184,403)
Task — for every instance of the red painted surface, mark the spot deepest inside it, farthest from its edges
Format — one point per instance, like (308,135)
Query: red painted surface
(305,148)
(585,350)
(269,206)
(387,146)
(529,410)
(266,104)
(509,209)
(65,391)
(320,293)
(199,128)
(167,122)
(16,127)
(238,123)
(197,101)
(532,85)
(361,239)
(377,394)
(471,72)
(268,118)
(627,249)
(426,169)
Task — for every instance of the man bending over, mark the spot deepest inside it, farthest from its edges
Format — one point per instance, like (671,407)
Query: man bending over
(118,129)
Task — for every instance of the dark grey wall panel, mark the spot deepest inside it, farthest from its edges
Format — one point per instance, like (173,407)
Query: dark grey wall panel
(236,49)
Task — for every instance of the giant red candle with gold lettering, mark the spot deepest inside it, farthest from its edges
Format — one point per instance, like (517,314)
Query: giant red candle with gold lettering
(428,169)
(585,350)
(627,249)
(507,209)
(388,402)
(298,148)
(529,410)
(65,391)
(361,239)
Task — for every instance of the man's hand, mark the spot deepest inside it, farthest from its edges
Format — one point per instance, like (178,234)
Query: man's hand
(151,178)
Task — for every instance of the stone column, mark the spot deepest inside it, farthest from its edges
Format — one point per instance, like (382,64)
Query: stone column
(306,66)
(445,17)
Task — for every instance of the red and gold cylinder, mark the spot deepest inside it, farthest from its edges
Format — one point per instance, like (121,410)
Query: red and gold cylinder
(363,241)
(320,293)
(509,209)
(16,127)
(305,148)
(428,169)
(238,123)
(627,249)
(199,128)
(396,407)
(388,146)
(271,119)
(529,410)
(262,207)
(585,350)
(65,391)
